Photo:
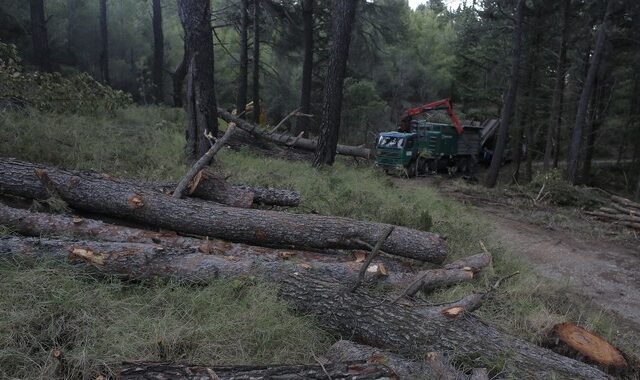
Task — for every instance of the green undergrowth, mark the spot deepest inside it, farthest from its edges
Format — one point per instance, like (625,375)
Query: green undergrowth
(98,323)
(114,321)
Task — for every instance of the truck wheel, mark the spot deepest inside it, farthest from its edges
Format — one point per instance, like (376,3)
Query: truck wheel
(411,169)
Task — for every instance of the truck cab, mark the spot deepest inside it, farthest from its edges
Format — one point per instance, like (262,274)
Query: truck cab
(395,150)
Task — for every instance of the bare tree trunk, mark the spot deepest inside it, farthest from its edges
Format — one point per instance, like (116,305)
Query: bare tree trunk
(302,124)
(587,90)
(158,52)
(343,16)
(178,79)
(39,38)
(241,100)
(555,117)
(202,114)
(510,99)
(256,62)
(104,43)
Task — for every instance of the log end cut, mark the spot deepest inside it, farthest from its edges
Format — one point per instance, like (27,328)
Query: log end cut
(590,345)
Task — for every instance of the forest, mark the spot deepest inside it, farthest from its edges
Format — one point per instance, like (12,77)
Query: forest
(319,189)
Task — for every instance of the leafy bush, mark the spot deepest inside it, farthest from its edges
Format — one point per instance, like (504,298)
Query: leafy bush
(559,191)
(52,92)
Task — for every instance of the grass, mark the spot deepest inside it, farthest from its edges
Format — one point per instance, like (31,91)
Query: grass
(110,321)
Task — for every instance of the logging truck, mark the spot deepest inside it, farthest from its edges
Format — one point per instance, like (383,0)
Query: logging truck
(420,146)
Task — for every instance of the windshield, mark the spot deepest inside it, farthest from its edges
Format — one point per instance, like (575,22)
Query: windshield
(390,142)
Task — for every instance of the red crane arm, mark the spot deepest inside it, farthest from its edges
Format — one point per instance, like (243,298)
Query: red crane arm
(444,104)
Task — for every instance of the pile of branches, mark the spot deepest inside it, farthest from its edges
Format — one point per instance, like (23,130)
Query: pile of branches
(620,211)
(359,279)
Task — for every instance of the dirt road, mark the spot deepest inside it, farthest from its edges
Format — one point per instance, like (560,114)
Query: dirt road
(603,272)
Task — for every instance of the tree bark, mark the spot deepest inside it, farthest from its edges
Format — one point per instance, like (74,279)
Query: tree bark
(587,90)
(39,38)
(555,117)
(241,99)
(178,79)
(98,194)
(195,16)
(347,370)
(403,329)
(510,99)
(302,124)
(256,62)
(343,12)
(104,43)
(158,52)
(288,140)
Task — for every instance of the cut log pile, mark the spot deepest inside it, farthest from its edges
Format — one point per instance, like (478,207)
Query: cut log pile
(327,267)
(620,211)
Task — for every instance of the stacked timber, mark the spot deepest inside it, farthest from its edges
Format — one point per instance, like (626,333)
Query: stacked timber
(357,278)
(620,211)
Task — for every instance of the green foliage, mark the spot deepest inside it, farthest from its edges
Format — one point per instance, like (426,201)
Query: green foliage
(559,191)
(98,323)
(364,112)
(52,92)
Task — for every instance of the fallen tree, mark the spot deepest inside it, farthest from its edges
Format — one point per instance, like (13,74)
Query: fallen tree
(401,328)
(347,370)
(97,194)
(291,141)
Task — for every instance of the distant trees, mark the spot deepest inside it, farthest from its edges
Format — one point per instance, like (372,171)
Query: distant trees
(509,99)
(201,104)
(158,51)
(39,37)
(343,12)
(302,124)
(104,43)
(241,97)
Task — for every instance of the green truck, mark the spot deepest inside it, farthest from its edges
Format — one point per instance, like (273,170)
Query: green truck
(420,147)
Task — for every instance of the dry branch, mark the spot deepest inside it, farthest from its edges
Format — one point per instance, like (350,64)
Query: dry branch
(284,139)
(97,194)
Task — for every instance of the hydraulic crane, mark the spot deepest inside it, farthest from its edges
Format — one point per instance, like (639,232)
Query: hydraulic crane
(444,104)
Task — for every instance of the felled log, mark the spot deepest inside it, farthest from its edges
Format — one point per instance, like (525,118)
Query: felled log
(288,140)
(361,315)
(111,197)
(163,371)
(626,202)
(589,345)
(429,367)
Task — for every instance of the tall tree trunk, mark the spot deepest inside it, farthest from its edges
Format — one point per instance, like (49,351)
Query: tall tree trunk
(510,99)
(241,99)
(555,117)
(202,114)
(343,16)
(39,38)
(178,79)
(158,52)
(587,90)
(302,124)
(256,62)
(104,43)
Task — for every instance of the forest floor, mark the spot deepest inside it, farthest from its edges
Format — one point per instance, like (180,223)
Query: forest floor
(597,266)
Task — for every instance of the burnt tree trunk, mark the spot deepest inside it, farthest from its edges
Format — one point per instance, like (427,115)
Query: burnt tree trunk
(39,38)
(555,117)
(343,12)
(587,91)
(407,329)
(158,52)
(509,101)
(99,194)
(302,124)
(202,113)
(241,99)
(256,62)
(104,43)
